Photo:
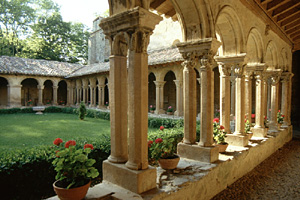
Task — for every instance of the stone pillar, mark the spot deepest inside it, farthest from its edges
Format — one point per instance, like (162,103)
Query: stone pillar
(40,98)
(224,96)
(14,95)
(232,95)
(289,100)
(265,91)
(207,103)
(101,95)
(274,102)
(269,97)
(131,29)
(204,150)
(84,94)
(259,129)
(248,93)
(179,98)
(239,138)
(285,81)
(92,95)
(78,96)
(55,87)
(159,97)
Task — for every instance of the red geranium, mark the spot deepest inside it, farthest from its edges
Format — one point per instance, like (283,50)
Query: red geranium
(56,154)
(70,143)
(278,110)
(150,142)
(265,117)
(252,116)
(88,146)
(161,128)
(282,115)
(216,120)
(158,140)
(222,127)
(57,141)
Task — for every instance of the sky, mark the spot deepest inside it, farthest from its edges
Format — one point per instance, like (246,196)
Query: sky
(83,11)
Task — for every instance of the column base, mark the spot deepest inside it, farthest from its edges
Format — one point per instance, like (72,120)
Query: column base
(273,127)
(237,140)
(259,132)
(199,153)
(178,114)
(137,181)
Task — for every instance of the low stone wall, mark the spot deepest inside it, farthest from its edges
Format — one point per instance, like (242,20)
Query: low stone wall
(198,180)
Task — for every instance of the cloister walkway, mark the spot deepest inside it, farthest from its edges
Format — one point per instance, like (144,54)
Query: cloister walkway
(275,178)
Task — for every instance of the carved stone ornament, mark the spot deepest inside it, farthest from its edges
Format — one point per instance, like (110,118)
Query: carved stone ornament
(274,79)
(189,59)
(119,44)
(238,70)
(139,40)
(224,70)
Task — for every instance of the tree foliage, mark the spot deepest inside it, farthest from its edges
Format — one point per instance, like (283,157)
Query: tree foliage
(35,29)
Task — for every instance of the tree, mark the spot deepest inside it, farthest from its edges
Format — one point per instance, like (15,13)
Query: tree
(82,111)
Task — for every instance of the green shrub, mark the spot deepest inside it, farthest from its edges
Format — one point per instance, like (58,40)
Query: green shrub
(167,123)
(28,173)
(53,109)
(16,110)
(82,111)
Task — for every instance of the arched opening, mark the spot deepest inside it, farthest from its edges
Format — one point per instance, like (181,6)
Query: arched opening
(3,92)
(106,93)
(198,91)
(29,92)
(170,91)
(216,92)
(48,93)
(151,90)
(62,93)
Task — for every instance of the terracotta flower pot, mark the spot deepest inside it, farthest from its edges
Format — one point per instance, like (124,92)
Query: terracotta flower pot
(170,113)
(222,147)
(77,193)
(250,134)
(170,163)
(151,111)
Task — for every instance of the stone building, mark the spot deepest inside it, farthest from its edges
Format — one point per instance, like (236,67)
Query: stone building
(234,56)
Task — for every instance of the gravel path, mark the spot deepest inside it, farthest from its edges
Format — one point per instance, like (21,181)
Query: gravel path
(278,177)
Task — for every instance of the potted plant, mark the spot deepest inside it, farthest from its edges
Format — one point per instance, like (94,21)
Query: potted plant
(252,118)
(74,170)
(170,110)
(219,135)
(164,150)
(248,128)
(280,118)
(152,109)
(29,102)
(107,105)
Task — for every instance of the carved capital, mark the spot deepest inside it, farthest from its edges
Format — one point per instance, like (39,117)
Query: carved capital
(159,83)
(224,70)
(274,79)
(189,60)
(139,40)
(178,83)
(238,70)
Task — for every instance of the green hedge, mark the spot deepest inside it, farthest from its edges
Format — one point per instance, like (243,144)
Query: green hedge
(29,174)
(16,110)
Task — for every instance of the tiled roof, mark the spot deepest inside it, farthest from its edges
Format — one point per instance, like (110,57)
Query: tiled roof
(16,65)
(162,56)
(90,69)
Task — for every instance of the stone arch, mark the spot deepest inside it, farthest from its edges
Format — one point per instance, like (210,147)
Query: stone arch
(151,89)
(48,92)
(169,90)
(228,29)
(271,55)
(3,92)
(29,92)
(196,21)
(62,92)
(283,64)
(254,46)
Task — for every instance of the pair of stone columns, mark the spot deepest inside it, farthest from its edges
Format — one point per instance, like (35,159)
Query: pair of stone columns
(101,95)
(40,96)
(129,31)
(160,97)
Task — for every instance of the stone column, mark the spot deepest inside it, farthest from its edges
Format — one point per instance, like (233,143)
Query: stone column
(203,150)
(179,98)
(55,87)
(248,93)
(159,97)
(289,100)
(285,81)
(136,26)
(265,91)
(77,96)
(224,97)
(207,103)
(40,99)
(259,129)
(101,95)
(274,102)
(92,95)
(232,95)
(84,96)
(239,138)
(269,98)
(14,95)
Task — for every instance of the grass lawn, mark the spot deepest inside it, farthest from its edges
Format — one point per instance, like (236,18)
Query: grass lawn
(27,130)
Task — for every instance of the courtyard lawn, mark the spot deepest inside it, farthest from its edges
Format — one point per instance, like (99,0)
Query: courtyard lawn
(28,130)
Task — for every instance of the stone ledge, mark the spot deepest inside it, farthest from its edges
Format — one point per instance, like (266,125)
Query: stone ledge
(199,180)
(237,140)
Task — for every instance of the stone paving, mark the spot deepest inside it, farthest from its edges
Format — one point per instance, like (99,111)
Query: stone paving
(278,177)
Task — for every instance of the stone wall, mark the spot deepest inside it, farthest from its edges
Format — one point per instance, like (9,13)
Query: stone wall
(295,115)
